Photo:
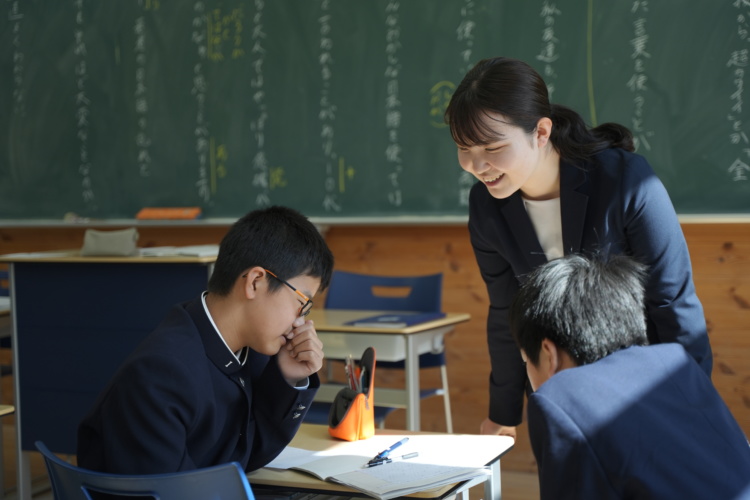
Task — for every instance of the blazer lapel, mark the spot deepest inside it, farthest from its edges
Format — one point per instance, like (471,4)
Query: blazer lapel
(523,231)
(573,203)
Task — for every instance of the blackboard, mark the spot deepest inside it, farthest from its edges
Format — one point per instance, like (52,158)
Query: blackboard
(334,107)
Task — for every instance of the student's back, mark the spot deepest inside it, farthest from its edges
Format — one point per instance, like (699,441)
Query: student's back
(643,422)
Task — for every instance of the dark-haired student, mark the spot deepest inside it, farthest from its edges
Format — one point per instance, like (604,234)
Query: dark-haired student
(550,186)
(613,418)
(229,375)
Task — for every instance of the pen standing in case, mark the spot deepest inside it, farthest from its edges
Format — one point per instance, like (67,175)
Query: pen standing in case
(352,413)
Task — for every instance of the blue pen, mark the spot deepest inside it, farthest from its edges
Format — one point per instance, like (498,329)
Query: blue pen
(388,460)
(388,450)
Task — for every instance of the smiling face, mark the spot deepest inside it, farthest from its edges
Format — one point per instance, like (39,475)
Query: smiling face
(513,160)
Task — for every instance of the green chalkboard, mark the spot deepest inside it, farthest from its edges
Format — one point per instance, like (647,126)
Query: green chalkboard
(334,107)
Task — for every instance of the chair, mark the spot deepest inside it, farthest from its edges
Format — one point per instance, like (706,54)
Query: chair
(221,482)
(389,293)
(5,332)
(5,335)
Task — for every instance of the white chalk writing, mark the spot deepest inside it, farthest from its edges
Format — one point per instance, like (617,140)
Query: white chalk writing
(548,53)
(82,105)
(327,113)
(392,102)
(739,169)
(638,82)
(259,164)
(465,37)
(15,17)
(142,138)
(199,89)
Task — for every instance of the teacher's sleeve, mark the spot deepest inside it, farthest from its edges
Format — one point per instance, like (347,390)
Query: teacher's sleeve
(508,376)
(655,237)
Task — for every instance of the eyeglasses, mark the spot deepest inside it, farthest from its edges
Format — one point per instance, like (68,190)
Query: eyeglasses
(305,309)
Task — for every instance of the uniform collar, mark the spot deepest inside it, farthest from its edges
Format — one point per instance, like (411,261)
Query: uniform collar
(216,349)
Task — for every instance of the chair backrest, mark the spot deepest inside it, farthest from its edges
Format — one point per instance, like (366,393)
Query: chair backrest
(221,482)
(4,283)
(387,293)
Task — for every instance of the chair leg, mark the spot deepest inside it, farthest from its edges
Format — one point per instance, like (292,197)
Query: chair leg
(446,400)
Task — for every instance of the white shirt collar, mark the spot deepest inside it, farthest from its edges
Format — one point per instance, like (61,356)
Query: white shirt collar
(241,355)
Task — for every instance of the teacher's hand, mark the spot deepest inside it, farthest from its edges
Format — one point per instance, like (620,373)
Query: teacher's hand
(489,427)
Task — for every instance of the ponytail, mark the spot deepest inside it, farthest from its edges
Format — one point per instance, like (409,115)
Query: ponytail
(575,142)
(514,90)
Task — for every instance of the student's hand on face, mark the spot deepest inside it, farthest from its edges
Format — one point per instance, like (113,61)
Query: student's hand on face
(489,427)
(302,355)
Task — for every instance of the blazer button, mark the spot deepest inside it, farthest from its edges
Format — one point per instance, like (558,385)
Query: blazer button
(242,382)
(301,406)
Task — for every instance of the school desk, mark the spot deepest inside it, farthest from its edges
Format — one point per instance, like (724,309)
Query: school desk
(391,344)
(486,449)
(75,319)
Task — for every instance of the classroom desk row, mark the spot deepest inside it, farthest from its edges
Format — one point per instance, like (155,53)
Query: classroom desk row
(485,449)
(75,319)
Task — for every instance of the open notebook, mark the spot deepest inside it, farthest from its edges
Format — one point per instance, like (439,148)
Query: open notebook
(346,466)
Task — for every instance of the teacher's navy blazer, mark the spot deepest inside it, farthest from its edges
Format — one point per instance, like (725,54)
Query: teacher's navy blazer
(181,401)
(642,423)
(613,204)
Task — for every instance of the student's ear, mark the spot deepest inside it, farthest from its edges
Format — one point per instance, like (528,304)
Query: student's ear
(251,279)
(543,131)
(549,360)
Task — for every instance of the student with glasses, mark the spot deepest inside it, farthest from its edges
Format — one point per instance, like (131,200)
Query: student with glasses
(229,375)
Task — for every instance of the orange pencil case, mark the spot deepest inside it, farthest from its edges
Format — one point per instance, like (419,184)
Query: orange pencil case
(352,415)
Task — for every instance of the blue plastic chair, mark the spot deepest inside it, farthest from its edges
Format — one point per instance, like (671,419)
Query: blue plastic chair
(221,482)
(4,283)
(389,293)
(5,331)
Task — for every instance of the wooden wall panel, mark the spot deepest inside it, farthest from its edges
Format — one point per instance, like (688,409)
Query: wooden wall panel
(721,263)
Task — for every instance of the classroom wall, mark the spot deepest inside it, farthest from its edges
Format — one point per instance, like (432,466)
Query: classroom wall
(721,264)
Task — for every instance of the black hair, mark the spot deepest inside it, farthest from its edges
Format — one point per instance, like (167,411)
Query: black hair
(512,88)
(590,307)
(277,238)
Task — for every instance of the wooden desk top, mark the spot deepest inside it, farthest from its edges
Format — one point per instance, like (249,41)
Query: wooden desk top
(483,450)
(332,320)
(74,256)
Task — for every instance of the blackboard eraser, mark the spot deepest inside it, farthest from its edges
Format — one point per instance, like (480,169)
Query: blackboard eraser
(169,213)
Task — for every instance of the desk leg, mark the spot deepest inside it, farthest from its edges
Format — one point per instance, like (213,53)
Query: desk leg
(23,477)
(23,464)
(411,373)
(492,490)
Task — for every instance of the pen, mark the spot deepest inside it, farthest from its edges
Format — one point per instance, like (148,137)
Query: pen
(387,451)
(386,460)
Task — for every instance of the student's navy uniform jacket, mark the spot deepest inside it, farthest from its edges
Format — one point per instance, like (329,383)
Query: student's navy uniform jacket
(181,401)
(641,423)
(614,205)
